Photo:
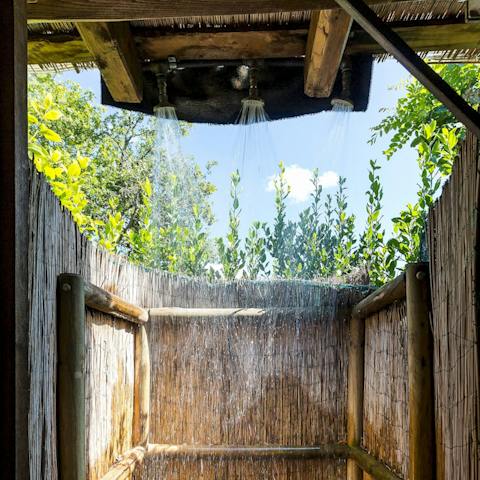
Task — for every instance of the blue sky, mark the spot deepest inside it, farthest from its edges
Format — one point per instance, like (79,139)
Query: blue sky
(334,143)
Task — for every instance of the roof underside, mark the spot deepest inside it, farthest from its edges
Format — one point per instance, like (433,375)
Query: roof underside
(435,28)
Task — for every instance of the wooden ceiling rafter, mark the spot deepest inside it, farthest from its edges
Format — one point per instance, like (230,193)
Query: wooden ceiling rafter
(113,48)
(64,48)
(327,38)
(123,10)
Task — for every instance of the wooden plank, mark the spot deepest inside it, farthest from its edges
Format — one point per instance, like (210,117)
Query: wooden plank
(141,408)
(69,48)
(394,45)
(14,189)
(422,38)
(372,466)
(327,37)
(105,10)
(226,451)
(57,48)
(420,375)
(356,367)
(126,465)
(106,302)
(169,312)
(112,46)
(223,45)
(71,377)
(381,298)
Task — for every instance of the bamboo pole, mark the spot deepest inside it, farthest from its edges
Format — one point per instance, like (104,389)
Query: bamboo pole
(126,465)
(420,375)
(103,301)
(371,465)
(71,378)
(169,312)
(356,360)
(141,412)
(224,451)
(381,298)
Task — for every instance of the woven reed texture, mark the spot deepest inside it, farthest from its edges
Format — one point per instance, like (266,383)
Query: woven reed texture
(109,391)
(453,243)
(386,387)
(241,381)
(312,351)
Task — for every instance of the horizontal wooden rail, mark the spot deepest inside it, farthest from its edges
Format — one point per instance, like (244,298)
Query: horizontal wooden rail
(227,312)
(103,301)
(371,465)
(125,466)
(321,451)
(381,298)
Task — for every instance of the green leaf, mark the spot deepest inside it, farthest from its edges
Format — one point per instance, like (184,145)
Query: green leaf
(52,115)
(74,170)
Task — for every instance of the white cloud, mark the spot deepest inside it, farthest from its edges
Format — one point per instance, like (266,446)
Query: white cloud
(300,181)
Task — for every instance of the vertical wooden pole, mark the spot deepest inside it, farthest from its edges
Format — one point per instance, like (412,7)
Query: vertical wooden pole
(71,378)
(14,184)
(141,412)
(356,359)
(420,375)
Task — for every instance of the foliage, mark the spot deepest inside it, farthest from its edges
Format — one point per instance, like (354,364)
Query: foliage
(418,107)
(232,257)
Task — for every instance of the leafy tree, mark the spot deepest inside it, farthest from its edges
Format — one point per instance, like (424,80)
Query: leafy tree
(256,261)
(418,107)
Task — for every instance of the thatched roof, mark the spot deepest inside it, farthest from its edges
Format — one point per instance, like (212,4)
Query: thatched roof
(437,28)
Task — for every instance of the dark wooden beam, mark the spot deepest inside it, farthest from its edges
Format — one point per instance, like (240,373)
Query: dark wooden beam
(394,45)
(224,45)
(112,46)
(327,37)
(70,48)
(422,38)
(105,10)
(14,183)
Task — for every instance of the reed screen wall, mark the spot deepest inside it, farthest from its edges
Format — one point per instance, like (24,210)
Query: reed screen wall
(453,243)
(209,381)
(385,421)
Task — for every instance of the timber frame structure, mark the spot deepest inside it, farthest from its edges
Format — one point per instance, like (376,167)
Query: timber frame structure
(119,36)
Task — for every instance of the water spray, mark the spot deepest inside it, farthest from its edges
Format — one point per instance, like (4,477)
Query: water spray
(344,102)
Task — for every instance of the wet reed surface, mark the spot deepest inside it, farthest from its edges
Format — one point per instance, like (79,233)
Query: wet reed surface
(237,381)
(453,243)
(385,423)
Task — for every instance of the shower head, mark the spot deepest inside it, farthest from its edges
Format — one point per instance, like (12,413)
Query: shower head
(344,102)
(162,91)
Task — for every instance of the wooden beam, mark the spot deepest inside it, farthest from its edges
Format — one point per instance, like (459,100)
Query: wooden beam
(118,10)
(372,466)
(106,302)
(125,466)
(381,298)
(394,45)
(141,406)
(112,46)
(14,238)
(169,312)
(71,377)
(421,409)
(227,451)
(224,45)
(69,48)
(422,38)
(327,37)
(355,385)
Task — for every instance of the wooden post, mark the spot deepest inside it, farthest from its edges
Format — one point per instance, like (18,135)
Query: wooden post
(420,375)
(14,186)
(71,377)
(356,359)
(141,412)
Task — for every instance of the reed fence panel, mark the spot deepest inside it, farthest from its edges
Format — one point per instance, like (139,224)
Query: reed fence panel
(385,423)
(453,237)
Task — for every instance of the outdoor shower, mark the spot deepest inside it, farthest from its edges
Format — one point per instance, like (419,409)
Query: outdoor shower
(344,102)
